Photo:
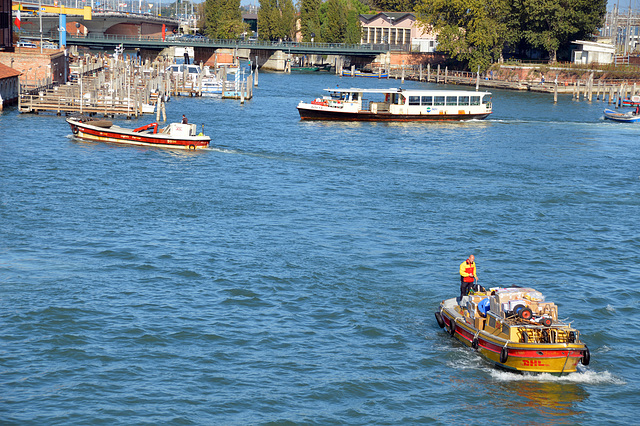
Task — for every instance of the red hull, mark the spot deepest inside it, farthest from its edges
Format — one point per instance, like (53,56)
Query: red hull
(126,136)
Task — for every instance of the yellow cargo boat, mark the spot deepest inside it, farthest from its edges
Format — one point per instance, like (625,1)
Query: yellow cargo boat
(515,329)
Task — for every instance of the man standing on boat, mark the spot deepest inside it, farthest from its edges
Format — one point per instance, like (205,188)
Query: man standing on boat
(467,275)
(184,119)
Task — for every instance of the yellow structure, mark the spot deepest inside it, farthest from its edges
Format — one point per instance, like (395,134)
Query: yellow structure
(32,9)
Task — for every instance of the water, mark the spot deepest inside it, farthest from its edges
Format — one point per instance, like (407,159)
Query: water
(289,275)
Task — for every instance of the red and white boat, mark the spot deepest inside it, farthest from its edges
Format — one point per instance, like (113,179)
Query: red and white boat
(175,135)
(397,105)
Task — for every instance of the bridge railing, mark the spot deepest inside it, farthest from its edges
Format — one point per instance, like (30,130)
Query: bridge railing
(171,40)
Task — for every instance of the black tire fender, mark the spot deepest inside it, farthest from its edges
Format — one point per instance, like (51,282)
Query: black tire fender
(474,343)
(504,355)
(192,147)
(586,356)
(75,130)
(439,319)
(452,327)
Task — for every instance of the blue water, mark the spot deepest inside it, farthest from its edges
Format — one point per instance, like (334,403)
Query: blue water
(289,275)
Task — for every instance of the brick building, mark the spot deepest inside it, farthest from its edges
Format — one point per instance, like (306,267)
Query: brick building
(35,66)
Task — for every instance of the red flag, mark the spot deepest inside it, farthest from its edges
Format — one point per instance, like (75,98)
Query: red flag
(164,29)
(17,20)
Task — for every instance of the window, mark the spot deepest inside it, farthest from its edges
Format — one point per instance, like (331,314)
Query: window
(452,100)
(427,100)
(486,99)
(463,100)
(475,100)
(414,100)
(438,100)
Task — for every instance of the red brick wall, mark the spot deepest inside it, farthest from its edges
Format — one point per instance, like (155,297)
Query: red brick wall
(35,65)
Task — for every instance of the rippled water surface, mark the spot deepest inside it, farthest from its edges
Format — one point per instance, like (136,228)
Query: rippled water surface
(290,273)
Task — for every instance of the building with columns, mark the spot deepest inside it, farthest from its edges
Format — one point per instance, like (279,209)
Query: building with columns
(399,30)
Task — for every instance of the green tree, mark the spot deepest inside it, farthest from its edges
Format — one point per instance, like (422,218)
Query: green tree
(310,20)
(287,27)
(276,20)
(395,5)
(334,27)
(223,19)
(551,24)
(471,31)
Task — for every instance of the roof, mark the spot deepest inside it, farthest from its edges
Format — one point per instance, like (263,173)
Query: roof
(606,46)
(396,16)
(423,92)
(8,72)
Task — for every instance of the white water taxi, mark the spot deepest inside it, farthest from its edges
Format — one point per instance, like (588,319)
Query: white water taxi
(397,105)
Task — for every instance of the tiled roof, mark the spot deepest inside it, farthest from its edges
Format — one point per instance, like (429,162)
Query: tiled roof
(6,72)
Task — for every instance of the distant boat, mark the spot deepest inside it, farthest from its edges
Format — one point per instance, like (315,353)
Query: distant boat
(356,73)
(623,117)
(633,101)
(310,68)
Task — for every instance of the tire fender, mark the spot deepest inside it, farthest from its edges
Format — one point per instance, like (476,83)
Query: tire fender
(452,327)
(439,319)
(586,356)
(474,343)
(504,355)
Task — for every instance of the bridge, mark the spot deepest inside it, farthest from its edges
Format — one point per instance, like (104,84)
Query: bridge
(110,41)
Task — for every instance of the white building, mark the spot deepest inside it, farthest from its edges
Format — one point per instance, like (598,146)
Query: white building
(589,52)
(397,30)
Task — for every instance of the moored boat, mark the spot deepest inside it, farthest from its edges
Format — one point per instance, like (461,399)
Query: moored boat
(515,329)
(623,117)
(175,135)
(397,105)
(357,73)
(632,101)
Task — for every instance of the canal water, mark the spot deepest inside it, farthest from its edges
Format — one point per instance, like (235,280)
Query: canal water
(290,274)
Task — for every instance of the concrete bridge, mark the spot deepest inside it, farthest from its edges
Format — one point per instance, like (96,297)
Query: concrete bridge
(101,23)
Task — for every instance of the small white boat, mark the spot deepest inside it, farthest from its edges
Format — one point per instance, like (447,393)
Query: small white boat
(623,117)
(397,105)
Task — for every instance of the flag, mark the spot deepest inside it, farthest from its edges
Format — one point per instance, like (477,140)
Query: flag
(164,31)
(17,20)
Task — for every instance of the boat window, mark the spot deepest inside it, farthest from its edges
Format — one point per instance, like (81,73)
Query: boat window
(414,100)
(475,100)
(452,100)
(194,70)
(438,100)
(486,99)
(427,100)
(463,100)
(354,96)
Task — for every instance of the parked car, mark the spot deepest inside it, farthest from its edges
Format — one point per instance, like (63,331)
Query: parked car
(26,44)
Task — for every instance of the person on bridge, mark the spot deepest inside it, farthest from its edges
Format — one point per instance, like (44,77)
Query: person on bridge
(184,119)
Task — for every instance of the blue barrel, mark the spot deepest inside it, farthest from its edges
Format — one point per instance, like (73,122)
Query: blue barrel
(484,306)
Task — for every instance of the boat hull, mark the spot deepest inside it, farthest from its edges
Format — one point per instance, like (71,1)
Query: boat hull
(621,117)
(325,114)
(551,358)
(114,134)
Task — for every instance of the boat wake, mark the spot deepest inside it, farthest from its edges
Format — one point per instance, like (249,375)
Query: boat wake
(583,375)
